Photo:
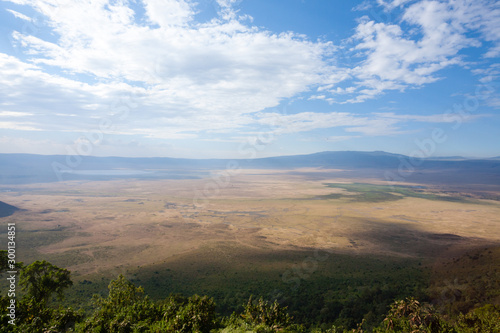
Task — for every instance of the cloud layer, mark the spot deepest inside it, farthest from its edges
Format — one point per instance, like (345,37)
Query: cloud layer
(157,72)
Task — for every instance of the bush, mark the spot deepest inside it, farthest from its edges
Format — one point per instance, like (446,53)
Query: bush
(411,316)
(485,319)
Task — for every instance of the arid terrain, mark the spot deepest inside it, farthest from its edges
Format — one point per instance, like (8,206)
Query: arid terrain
(175,235)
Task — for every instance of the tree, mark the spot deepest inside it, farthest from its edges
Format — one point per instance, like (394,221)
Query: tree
(271,315)
(4,262)
(41,280)
(126,309)
(198,315)
(485,319)
(123,293)
(411,316)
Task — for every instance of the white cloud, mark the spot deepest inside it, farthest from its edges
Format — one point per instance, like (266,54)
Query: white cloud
(205,63)
(429,38)
(227,12)
(340,138)
(16,145)
(168,13)
(183,76)
(391,4)
(20,126)
(14,114)
(434,118)
(365,5)
(375,124)
(19,15)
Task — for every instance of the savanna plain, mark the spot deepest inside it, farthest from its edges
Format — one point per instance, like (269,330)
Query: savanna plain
(333,248)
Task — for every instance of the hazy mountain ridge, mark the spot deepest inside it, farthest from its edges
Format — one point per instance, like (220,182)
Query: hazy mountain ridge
(29,168)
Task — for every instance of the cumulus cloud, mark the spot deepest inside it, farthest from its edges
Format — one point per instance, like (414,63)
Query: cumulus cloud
(217,66)
(429,38)
(185,76)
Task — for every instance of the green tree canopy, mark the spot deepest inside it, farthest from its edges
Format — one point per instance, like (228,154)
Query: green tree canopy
(41,280)
(4,262)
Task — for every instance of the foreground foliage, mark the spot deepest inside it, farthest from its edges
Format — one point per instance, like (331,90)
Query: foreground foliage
(127,309)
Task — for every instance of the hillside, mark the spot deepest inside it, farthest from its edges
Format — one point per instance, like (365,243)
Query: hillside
(6,209)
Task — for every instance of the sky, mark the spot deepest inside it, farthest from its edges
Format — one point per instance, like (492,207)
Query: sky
(249,78)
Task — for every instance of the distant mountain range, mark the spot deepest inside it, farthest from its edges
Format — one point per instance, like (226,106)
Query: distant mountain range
(30,168)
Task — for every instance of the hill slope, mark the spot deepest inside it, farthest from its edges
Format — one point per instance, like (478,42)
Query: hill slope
(6,209)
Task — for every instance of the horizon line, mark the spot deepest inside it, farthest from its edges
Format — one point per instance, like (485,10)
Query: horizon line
(256,158)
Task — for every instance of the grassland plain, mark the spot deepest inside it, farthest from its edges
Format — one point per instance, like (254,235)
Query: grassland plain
(350,244)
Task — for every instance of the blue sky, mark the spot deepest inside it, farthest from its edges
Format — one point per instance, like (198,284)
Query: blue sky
(249,78)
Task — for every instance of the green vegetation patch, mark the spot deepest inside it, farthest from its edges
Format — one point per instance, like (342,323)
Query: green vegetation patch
(380,193)
(39,238)
(124,306)
(316,286)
